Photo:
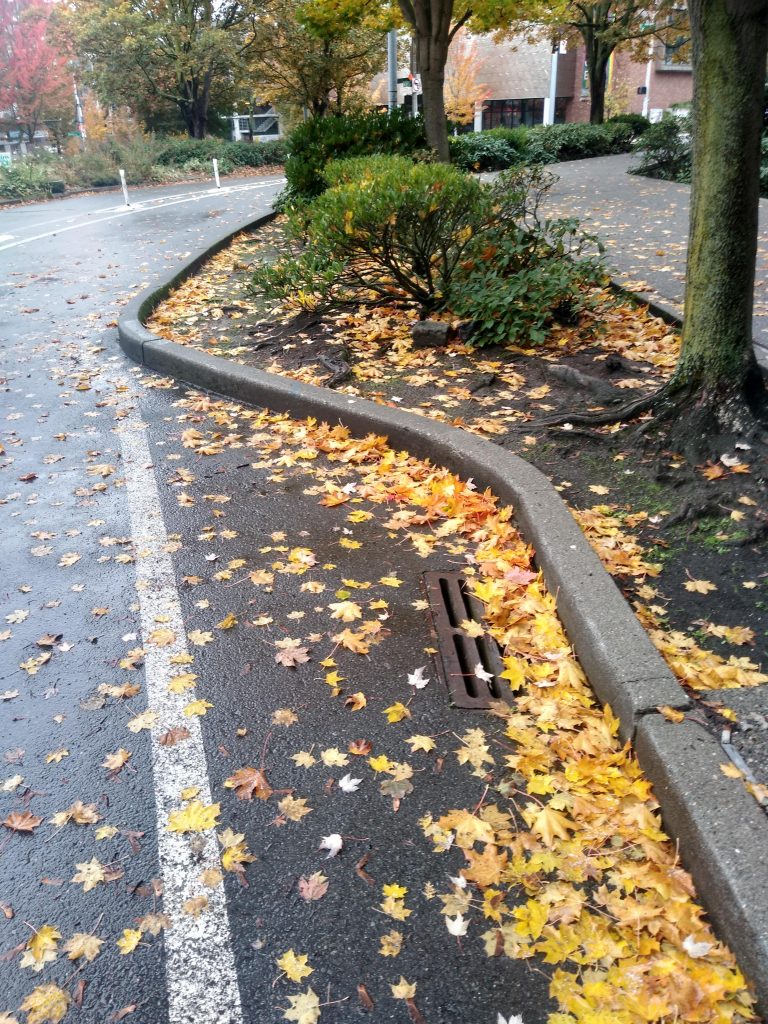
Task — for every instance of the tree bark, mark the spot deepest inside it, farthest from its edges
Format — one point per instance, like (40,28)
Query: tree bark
(430,21)
(597,66)
(717,360)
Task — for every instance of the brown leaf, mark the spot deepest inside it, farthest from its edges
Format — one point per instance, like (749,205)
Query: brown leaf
(22,821)
(79,992)
(7,910)
(414,1013)
(314,887)
(174,736)
(365,1000)
(124,1012)
(249,782)
(361,872)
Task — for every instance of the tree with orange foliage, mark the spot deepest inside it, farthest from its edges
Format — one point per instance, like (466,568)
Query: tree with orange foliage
(463,88)
(35,83)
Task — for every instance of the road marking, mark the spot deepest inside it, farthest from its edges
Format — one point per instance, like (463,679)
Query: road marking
(123,211)
(6,238)
(200,965)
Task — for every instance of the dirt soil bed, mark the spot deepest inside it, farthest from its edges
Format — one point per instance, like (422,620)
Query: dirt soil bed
(686,543)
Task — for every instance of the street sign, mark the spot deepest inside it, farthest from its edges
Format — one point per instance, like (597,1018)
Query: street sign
(5,159)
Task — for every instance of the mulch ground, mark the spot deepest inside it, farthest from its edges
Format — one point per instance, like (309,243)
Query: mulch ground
(686,543)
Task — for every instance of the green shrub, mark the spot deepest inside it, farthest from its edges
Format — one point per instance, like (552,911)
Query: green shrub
(665,150)
(363,168)
(516,137)
(431,234)
(27,178)
(481,151)
(313,143)
(551,143)
(637,122)
(529,272)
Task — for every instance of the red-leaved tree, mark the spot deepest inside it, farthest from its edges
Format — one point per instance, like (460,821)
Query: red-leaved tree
(35,82)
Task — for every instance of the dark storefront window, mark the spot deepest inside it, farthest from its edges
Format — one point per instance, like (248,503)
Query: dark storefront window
(511,113)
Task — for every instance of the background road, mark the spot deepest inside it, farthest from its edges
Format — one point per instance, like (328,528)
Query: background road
(100,531)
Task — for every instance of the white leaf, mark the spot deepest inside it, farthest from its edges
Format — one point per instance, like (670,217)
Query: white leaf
(459,880)
(332,843)
(9,694)
(482,674)
(730,460)
(457,925)
(516,1018)
(417,679)
(348,784)
(696,949)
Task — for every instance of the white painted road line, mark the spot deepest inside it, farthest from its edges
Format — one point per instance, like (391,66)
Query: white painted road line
(6,238)
(200,963)
(123,211)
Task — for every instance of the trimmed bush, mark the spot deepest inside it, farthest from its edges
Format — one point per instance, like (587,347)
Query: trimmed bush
(551,143)
(433,235)
(636,122)
(482,151)
(181,153)
(665,150)
(313,143)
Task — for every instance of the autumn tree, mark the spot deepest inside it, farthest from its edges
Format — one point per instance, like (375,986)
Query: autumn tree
(609,25)
(433,25)
(716,392)
(185,52)
(35,81)
(294,64)
(464,89)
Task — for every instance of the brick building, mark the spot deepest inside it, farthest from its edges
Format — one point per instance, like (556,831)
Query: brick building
(517,77)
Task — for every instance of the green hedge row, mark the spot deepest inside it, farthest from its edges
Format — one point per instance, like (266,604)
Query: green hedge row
(503,147)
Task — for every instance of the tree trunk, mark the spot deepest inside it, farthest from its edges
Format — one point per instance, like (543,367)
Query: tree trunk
(597,68)
(717,360)
(430,22)
(435,123)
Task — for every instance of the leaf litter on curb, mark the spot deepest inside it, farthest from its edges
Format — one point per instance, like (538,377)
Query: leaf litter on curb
(606,904)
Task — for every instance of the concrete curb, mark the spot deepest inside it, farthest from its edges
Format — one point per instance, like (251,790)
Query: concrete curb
(623,667)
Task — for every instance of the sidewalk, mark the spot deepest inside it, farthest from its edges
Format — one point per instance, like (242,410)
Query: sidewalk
(644,225)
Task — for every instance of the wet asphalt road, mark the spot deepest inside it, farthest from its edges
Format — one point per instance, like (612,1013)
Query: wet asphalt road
(76,496)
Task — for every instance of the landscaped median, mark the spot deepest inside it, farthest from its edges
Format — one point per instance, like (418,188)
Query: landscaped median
(567,756)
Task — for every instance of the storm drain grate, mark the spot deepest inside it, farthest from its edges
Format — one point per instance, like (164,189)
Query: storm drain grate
(450,602)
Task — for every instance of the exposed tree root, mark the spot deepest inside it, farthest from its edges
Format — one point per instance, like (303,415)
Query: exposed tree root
(697,422)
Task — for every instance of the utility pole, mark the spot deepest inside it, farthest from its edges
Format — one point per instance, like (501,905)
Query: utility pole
(392,69)
(551,101)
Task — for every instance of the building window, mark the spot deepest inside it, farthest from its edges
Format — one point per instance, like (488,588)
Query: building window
(511,113)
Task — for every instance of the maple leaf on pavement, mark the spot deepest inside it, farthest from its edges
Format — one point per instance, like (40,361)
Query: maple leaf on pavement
(417,679)
(349,785)
(291,653)
(90,874)
(396,712)
(333,843)
(249,782)
(403,989)
(22,821)
(699,586)
(46,1004)
(304,1008)
(128,941)
(294,965)
(314,887)
(195,817)
(391,943)
(457,925)
(41,948)
(293,808)
(515,1018)
(83,944)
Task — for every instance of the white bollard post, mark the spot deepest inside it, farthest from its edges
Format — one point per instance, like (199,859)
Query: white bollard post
(125,187)
(216,172)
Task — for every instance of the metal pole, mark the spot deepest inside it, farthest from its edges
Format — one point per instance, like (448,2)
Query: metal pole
(216,172)
(125,187)
(392,68)
(648,69)
(551,101)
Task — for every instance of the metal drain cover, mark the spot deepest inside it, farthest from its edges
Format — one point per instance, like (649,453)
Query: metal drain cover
(450,602)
